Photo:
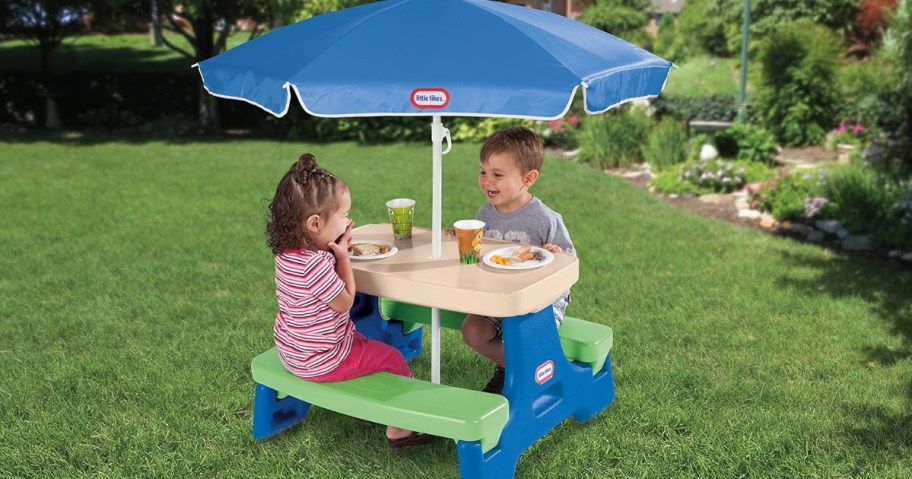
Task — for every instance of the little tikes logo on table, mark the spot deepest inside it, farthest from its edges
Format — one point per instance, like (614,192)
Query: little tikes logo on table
(544,372)
(430,98)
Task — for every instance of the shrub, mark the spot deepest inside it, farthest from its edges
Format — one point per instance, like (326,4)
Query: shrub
(796,98)
(897,232)
(621,18)
(613,139)
(862,200)
(667,43)
(701,29)
(666,144)
(667,182)
(685,108)
(479,129)
(747,142)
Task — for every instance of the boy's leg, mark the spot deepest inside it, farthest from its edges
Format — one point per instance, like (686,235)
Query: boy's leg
(483,337)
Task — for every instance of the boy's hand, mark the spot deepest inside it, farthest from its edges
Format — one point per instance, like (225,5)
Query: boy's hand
(552,248)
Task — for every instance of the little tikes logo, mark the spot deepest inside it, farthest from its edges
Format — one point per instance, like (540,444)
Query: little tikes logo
(430,98)
(544,372)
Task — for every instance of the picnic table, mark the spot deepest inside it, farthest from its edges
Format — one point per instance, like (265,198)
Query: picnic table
(551,374)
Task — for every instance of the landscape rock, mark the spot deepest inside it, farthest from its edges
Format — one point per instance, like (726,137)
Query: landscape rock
(828,226)
(797,228)
(711,198)
(907,257)
(816,236)
(895,253)
(842,233)
(857,243)
(749,214)
(767,220)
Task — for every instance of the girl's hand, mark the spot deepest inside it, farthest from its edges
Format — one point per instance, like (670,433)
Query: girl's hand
(552,248)
(339,247)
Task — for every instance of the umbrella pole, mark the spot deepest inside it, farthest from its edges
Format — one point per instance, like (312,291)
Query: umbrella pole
(437,134)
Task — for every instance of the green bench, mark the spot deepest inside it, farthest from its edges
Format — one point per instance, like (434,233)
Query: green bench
(582,341)
(383,398)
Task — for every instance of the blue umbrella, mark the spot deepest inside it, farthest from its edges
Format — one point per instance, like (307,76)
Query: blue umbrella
(436,58)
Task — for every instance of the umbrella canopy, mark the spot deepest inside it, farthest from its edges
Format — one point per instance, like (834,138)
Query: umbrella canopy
(435,58)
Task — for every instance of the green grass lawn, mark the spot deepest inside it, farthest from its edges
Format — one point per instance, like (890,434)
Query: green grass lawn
(135,287)
(104,53)
(703,76)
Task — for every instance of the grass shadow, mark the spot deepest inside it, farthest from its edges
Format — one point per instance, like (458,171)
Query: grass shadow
(886,288)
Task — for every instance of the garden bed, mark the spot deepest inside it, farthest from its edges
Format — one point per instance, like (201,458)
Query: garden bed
(723,206)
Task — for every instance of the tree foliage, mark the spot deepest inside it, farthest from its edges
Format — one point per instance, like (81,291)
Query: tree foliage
(797,98)
(709,21)
(43,23)
(621,18)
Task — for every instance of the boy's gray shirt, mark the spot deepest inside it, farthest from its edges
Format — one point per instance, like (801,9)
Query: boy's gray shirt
(534,224)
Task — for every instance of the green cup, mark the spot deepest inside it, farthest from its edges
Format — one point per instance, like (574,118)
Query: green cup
(401,215)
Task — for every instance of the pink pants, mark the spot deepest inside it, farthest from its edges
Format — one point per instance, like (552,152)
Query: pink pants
(366,357)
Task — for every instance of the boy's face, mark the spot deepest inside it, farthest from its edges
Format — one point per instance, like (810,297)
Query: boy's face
(503,184)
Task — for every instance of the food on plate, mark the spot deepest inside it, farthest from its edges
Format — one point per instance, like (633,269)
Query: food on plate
(367,249)
(498,259)
(522,254)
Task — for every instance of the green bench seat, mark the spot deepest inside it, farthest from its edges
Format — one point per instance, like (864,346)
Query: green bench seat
(384,398)
(582,341)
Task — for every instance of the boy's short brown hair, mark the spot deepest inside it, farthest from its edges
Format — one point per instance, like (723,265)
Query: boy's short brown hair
(525,146)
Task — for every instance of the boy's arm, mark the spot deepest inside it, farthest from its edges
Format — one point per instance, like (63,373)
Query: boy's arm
(559,237)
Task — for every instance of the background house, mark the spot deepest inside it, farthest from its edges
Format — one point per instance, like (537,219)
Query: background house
(567,8)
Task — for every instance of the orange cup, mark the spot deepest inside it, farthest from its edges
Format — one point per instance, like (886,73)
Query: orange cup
(468,239)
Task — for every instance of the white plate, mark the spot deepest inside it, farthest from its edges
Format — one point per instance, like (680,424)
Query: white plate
(392,250)
(507,251)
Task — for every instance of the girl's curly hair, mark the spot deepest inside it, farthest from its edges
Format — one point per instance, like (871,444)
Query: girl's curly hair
(305,190)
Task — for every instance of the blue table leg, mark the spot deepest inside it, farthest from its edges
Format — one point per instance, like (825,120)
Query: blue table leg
(366,315)
(543,387)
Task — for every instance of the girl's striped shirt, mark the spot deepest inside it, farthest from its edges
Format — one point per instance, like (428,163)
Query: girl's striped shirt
(312,338)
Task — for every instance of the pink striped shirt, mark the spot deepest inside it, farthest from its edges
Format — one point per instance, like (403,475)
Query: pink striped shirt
(312,338)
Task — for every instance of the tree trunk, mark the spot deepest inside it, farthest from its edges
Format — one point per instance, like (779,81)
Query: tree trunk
(208,110)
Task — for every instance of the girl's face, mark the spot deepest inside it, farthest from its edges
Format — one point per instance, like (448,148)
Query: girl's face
(331,227)
(503,184)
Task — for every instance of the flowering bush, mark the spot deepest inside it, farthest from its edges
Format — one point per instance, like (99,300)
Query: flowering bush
(560,132)
(849,132)
(721,176)
(795,197)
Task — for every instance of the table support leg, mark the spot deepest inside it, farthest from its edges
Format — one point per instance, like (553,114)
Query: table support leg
(544,388)
(366,315)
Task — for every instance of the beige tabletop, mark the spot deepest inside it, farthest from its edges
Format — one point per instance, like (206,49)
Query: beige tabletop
(411,275)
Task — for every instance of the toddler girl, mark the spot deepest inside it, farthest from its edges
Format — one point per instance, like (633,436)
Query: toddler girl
(309,232)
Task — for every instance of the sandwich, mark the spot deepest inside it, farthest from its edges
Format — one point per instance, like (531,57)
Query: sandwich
(367,249)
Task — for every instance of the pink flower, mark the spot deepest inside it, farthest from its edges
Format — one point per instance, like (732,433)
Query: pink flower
(573,120)
(556,125)
(858,129)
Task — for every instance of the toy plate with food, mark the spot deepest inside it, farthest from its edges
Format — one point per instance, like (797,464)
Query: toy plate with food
(370,249)
(518,257)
